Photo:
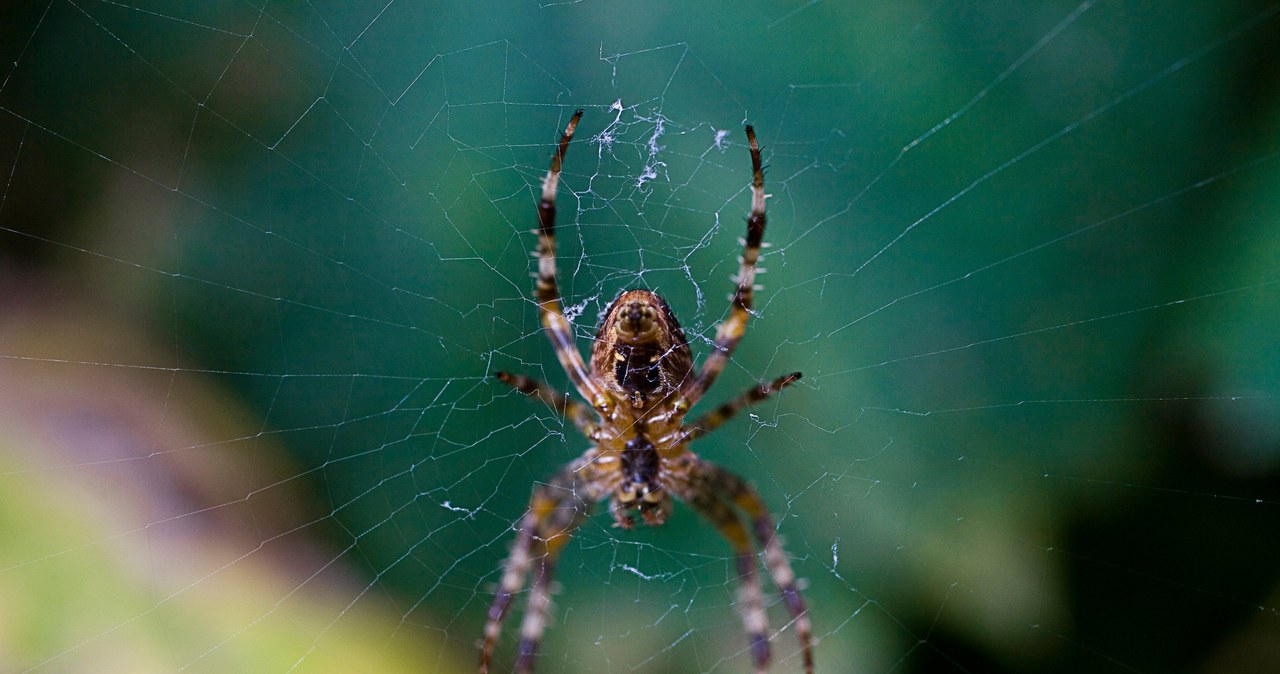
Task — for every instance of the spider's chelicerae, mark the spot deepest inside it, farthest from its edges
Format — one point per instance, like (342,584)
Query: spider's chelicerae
(640,383)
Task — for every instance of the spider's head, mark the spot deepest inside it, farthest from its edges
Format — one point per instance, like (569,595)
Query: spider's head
(641,487)
(640,352)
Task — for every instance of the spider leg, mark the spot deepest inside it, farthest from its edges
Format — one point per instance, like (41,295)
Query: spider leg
(513,574)
(744,496)
(535,614)
(713,419)
(730,331)
(565,406)
(559,331)
(555,510)
(754,619)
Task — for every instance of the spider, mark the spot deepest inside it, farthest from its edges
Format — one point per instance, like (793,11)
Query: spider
(639,385)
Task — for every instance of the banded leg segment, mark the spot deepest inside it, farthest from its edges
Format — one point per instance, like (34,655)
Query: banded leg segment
(513,573)
(558,328)
(750,602)
(713,419)
(565,406)
(535,613)
(775,558)
(730,331)
(555,511)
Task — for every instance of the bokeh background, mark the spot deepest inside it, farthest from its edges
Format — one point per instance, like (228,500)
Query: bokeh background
(258,263)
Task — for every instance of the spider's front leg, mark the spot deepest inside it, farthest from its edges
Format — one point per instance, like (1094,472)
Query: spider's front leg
(750,603)
(556,509)
(720,481)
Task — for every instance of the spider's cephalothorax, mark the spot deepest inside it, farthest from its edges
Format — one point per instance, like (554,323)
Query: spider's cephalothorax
(639,385)
(641,488)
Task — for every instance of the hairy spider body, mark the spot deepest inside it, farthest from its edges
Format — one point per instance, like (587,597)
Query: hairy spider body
(639,384)
(647,357)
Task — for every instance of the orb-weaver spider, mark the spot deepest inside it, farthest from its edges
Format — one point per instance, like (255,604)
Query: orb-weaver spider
(640,384)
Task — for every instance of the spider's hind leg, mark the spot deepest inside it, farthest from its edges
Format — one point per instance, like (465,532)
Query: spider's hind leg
(557,326)
(729,332)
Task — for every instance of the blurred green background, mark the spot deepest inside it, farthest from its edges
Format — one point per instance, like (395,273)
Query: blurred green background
(258,263)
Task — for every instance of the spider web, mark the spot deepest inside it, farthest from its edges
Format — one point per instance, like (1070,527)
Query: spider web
(260,262)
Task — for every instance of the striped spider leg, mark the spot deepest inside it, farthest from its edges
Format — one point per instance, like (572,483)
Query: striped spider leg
(639,384)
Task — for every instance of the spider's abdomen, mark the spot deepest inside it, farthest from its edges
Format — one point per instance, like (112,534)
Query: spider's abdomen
(640,351)
(638,368)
